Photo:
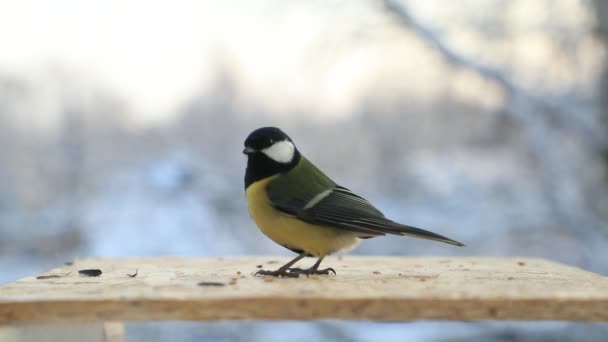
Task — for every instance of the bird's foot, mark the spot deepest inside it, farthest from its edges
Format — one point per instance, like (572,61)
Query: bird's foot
(310,271)
(281,272)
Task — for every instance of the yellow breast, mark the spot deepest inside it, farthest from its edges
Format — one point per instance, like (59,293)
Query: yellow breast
(291,232)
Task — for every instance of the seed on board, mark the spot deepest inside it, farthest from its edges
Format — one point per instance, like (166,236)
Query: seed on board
(48,276)
(210,283)
(134,274)
(90,272)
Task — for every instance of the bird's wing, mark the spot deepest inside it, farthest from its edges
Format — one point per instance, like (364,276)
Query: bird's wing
(293,190)
(318,200)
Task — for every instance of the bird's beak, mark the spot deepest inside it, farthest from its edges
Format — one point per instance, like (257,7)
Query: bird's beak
(248,150)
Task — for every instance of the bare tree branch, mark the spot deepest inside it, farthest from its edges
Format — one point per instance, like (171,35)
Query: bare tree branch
(589,130)
(451,56)
(562,185)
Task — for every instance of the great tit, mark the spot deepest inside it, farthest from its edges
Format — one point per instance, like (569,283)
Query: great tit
(300,208)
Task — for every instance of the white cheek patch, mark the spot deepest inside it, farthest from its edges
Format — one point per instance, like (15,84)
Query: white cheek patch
(281,151)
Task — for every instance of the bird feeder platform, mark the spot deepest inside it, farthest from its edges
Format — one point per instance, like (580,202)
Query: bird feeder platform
(365,288)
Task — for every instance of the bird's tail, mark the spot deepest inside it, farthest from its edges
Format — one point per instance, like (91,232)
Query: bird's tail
(423,234)
(374,226)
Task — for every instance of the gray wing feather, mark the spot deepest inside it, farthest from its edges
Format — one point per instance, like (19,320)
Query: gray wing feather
(341,208)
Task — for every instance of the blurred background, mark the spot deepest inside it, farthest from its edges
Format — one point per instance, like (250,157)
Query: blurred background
(122,124)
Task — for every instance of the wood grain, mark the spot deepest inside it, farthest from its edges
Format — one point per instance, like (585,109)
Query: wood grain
(365,288)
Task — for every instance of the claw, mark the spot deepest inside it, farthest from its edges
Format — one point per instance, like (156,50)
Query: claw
(310,271)
(294,272)
(277,273)
(329,269)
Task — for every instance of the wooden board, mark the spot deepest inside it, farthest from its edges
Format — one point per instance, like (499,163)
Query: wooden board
(365,288)
(64,332)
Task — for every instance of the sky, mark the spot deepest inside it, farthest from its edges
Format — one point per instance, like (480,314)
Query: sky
(326,58)
(321,57)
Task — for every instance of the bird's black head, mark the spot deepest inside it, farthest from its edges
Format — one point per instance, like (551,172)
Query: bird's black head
(263,138)
(270,151)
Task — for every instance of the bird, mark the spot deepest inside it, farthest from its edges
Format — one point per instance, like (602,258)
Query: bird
(300,208)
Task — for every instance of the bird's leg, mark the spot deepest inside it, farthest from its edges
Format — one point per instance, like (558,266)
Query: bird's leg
(313,270)
(283,271)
